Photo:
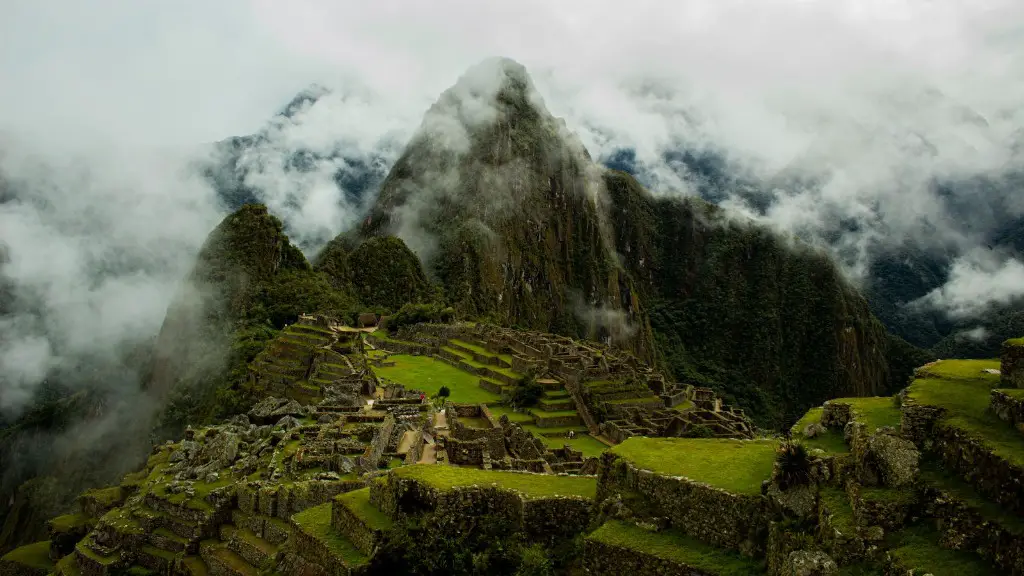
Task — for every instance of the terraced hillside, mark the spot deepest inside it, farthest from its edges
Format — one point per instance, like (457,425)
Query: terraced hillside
(379,473)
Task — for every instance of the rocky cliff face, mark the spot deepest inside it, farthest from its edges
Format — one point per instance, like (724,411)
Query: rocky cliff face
(509,212)
(505,207)
(770,323)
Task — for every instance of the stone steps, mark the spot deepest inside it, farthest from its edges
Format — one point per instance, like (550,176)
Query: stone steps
(193,566)
(221,561)
(155,559)
(92,563)
(361,523)
(273,530)
(253,549)
(165,539)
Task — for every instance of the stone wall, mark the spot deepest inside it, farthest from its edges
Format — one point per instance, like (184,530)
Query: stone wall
(917,422)
(460,510)
(717,517)
(1012,363)
(282,500)
(836,414)
(375,451)
(1008,409)
(992,476)
(602,559)
(962,527)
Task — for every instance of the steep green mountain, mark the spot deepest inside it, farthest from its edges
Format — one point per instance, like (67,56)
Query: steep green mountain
(504,206)
(520,226)
(248,281)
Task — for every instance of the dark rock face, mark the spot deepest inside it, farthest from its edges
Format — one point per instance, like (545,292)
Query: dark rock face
(505,207)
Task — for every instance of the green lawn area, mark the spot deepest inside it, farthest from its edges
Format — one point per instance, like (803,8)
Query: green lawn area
(1017,393)
(429,374)
(34,555)
(517,417)
(529,485)
(831,441)
(358,502)
(316,522)
(676,547)
(583,442)
(737,466)
(964,391)
(874,412)
(918,548)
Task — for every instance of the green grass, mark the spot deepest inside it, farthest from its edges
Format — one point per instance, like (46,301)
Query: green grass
(554,414)
(585,443)
(964,391)
(918,548)
(933,474)
(529,485)
(69,522)
(737,466)
(874,412)
(675,547)
(888,495)
(838,504)
(316,522)
(34,555)
(1014,342)
(429,374)
(106,496)
(557,430)
(517,417)
(831,441)
(358,502)
(482,350)
(635,400)
(68,566)
(1016,393)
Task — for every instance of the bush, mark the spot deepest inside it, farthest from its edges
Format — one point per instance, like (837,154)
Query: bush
(411,314)
(528,393)
(794,466)
(444,392)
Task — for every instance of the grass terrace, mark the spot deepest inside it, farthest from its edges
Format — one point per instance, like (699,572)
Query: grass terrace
(737,466)
(482,350)
(838,504)
(831,441)
(874,412)
(590,446)
(529,485)
(1017,393)
(468,359)
(918,548)
(935,475)
(516,417)
(675,547)
(964,391)
(33,555)
(316,522)
(358,502)
(429,374)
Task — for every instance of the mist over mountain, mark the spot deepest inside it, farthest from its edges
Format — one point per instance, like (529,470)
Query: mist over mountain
(844,148)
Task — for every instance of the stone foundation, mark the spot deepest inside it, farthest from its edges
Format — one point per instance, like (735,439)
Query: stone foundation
(1012,363)
(1008,409)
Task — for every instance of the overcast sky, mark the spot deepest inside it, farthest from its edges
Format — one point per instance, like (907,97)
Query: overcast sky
(182,71)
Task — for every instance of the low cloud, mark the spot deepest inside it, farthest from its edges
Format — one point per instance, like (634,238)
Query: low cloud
(977,281)
(96,241)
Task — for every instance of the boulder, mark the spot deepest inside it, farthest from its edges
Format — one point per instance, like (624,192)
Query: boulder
(896,459)
(809,563)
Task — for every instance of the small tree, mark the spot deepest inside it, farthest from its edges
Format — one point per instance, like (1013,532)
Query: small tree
(444,392)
